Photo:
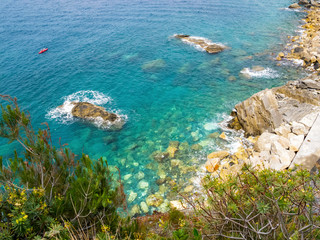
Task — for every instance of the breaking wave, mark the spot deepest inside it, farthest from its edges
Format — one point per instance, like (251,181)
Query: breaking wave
(63,114)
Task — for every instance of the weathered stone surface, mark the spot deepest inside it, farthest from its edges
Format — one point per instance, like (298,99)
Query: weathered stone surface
(299,128)
(259,113)
(270,108)
(202,43)
(219,154)
(91,112)
(212,164)
(295,141)
(285,156)
(283,130)
(177,205)
(309,152)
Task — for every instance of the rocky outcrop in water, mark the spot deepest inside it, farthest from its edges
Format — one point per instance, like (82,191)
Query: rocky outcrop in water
(202,43)
(91,112)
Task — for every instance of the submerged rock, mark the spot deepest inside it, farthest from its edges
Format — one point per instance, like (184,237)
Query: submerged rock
(94,113)
(202,43)
(154,65)
(154,200)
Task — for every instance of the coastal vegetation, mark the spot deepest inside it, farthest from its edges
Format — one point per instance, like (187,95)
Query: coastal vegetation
(266,190)
(50,193)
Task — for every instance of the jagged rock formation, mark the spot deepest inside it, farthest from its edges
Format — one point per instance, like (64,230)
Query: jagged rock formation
(268,109)
(203,43)
(91,112)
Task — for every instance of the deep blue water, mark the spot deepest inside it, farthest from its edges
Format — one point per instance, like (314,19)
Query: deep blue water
(97,50)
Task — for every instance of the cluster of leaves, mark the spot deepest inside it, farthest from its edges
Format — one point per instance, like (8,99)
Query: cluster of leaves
(260,204)
(77,190)
(26,214)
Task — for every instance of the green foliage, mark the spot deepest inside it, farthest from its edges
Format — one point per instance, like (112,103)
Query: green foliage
(260,204)
(48,187)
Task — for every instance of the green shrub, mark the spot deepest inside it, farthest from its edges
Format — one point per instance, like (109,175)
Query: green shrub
(265,204)
(72,191)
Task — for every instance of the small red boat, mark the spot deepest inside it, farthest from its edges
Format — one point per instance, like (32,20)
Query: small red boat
(43,50)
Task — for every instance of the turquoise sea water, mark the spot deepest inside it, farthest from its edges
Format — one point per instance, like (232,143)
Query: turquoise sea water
(97,50)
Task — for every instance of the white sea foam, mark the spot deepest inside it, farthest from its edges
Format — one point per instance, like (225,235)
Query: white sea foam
(63,114)
(265,73)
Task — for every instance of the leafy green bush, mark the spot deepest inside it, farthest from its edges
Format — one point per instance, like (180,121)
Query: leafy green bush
(265,204)
(79,192)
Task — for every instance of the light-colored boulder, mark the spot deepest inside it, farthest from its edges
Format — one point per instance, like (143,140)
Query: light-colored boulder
(154,200)
(143,184)
(298,128)
(285,156)
(132,196)
(295,141)
(135,210)
(127,177)
(309,152)
(144,207)
(265,140)
(177,205)
(283,130)
(212,164)
(139,175)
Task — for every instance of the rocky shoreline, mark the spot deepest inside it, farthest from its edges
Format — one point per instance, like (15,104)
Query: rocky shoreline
(282,124)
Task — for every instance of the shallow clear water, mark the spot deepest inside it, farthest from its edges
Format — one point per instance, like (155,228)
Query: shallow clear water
(97,50)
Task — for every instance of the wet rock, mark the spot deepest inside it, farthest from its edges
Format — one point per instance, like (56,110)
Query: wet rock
(91,112)
(294,5)
(202,43)
(196,147)
(232,78)
(159,156)
(127,177)
(172,150)
(143,185)
(144,207)
(139,175)
(154,200)
(154,66)
(213,135)
(132,196)
(223,136)
(135,210)
(220,154)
